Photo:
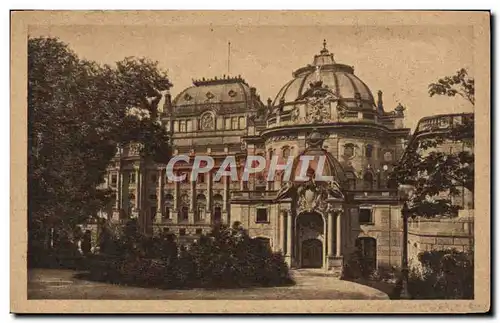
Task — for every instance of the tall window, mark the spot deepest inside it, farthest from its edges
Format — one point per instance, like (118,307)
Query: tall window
(227,123)
(183,126)
(184,213)
(242,123)
(218,201)
(286,153)
(201,204)
(368,181)
(234,123)
(114,179)
(169,204)
(368,151)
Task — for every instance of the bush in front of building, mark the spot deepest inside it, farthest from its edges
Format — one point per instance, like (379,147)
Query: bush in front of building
(443,274)
(227,257)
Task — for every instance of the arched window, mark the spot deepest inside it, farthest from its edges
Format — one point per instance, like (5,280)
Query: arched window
(285,153)
(368,151)
(184,209)
(368,181)
(217,208)
(348,150)
(184,214)
(201,205)
(169,204)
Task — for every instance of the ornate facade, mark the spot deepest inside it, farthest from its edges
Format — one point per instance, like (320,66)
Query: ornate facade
(325,110)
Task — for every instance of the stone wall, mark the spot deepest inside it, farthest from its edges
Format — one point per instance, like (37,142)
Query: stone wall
(440,234)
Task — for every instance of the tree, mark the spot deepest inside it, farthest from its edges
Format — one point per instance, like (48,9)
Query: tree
(460,84)
(79,112)
(439,175)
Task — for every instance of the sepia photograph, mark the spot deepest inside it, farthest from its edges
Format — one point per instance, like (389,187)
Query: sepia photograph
(324,160)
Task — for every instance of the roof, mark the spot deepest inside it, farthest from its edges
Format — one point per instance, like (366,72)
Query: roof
(339,78)
(226,90)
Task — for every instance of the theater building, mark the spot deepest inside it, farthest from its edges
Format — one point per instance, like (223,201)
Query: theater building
(325,111)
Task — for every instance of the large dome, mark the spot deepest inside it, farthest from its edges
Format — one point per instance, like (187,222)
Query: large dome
(223,95)
(339,78)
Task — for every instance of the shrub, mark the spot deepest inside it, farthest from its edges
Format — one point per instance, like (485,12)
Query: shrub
(444,274)
(225,258)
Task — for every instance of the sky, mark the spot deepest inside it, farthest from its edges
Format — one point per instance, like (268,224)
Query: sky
(400,60)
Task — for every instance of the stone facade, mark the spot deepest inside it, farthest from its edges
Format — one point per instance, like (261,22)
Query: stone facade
(324,111)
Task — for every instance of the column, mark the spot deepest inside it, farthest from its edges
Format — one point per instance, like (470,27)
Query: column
(192,201)
(208,211)
(137,188)
(175,211)
(331,238)
(226,189)
(121,189)
(225,212)
(289,234)
(325,242)
(339,236)
(118,189)
(160,196)
(282,230)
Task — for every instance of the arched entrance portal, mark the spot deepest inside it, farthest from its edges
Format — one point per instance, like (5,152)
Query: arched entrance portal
(310,232)
(312,253)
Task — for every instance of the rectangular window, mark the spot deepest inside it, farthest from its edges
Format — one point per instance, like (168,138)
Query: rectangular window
(176,126)
(227,123)
(262,216)
(242,124)
(182,126)
(182,232)
(365,216)
(234,123)
(114,179)
(199,232)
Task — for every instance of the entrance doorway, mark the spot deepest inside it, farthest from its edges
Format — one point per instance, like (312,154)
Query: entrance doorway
(312,253)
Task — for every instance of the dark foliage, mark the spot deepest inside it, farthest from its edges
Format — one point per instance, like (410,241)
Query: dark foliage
(445,274)
(79,112)
(458,84)
(439,175)
(225,258)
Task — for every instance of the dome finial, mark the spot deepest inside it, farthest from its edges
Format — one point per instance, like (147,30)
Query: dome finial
(324,51)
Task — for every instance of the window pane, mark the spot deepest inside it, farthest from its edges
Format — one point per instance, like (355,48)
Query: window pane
(365,216)
(242,123)
(261,215)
